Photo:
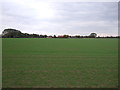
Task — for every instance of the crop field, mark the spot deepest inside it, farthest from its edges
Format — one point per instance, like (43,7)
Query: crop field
(59,63)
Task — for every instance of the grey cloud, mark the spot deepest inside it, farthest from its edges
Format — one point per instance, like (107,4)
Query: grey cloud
(70,18)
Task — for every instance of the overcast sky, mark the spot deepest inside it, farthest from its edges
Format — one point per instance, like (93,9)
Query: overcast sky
(72,18)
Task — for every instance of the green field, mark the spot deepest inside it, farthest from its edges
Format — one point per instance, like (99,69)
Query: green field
(60,63)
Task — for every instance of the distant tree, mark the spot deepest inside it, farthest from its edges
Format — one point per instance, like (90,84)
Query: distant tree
(77,36)
(98,37)
(41,36)
(45,36)
(11,33)
(49,36)
(81,36)
(93,35)
(35,35)
(54,36)
(65,36)
(85,36)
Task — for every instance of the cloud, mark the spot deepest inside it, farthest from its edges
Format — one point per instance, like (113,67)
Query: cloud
(35,16)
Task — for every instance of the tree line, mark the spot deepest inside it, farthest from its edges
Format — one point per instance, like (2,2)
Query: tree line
(13,33)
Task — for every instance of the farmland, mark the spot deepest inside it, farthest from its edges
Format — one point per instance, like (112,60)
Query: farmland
(60,63)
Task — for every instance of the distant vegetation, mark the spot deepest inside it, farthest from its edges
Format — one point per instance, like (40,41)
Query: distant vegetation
(13,33)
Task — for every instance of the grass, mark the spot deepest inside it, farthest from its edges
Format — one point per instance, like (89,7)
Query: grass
(60,63)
